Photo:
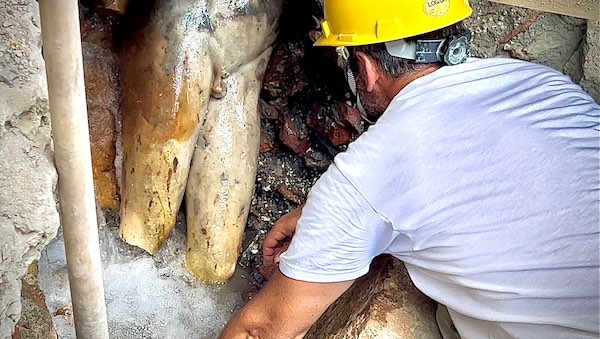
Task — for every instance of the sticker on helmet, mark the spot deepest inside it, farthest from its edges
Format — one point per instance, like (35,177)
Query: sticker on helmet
(436,8)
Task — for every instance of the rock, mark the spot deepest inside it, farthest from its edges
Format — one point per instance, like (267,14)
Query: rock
(267,136)
(350,116)
(317,160)
(267,144)
(294,133)
(383,304)
(116,6)
(268,111)
(291,194)
(103,99)
(591,63)
(274,75)
(554,41)
(284,76)
(28,214)
(36,320)
(338,135)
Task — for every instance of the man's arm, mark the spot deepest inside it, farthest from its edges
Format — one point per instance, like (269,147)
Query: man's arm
(284,308)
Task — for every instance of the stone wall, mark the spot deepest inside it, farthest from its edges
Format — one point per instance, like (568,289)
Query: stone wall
(591,62)
(564,43)
(28,214)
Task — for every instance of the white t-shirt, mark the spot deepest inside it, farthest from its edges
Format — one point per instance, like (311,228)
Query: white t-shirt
(484,178)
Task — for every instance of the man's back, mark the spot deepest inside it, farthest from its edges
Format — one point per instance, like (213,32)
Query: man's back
(484,179)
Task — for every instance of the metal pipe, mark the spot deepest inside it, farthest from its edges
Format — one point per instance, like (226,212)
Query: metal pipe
(66,92)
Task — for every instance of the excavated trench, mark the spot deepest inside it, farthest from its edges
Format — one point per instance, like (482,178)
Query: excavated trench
(306,119)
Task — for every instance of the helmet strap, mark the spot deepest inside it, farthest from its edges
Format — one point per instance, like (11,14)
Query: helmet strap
(343,56)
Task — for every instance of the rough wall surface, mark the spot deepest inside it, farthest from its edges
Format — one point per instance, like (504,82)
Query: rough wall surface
(591,62)
(28,214)
(507,31)
(103,96)
(549,39)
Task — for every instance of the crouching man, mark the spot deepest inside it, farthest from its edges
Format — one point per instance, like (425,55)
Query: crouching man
(481,175)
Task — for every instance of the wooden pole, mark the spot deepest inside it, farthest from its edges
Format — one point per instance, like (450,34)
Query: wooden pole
(64,69)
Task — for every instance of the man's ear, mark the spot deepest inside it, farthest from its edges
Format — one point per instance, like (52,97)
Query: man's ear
(368,69)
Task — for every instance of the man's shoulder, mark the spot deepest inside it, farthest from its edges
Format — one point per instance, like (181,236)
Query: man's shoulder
(477,78)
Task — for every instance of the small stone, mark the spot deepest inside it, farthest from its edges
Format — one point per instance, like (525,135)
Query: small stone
(268,111)
(291,194)
(267,143)
(351,116)
(293,133)
(317,160)
(339,135)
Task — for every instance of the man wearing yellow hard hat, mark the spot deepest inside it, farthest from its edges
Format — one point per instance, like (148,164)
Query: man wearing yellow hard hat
(480,174)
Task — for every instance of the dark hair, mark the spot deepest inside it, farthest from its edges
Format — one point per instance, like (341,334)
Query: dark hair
(394,66)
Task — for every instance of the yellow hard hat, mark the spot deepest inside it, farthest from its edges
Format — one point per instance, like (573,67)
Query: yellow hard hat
(363,22)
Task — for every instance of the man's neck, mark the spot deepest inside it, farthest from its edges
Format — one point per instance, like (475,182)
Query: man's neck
(395,85)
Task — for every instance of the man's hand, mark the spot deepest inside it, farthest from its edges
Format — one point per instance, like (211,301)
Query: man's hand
(285,308)
(278,239)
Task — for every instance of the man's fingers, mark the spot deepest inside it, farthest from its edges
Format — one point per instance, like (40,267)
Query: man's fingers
(274,237)
(278,239)
(272,241)
(279,250)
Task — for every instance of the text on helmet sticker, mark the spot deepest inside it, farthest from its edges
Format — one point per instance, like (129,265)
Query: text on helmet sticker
(436,8)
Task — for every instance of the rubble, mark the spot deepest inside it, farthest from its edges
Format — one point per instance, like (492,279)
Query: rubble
(294,133)
(36,320)
(291,194)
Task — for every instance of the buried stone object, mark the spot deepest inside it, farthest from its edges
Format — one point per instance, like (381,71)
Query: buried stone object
(189,54)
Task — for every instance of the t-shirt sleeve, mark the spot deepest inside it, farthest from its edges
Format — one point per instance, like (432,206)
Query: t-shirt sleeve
(338,234)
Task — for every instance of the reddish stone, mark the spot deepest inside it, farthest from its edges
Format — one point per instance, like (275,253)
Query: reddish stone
(351,116)
(267,143)
(116,6)
(293,134)
(272,75)
(284,76)
(339,135)
(291,194)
